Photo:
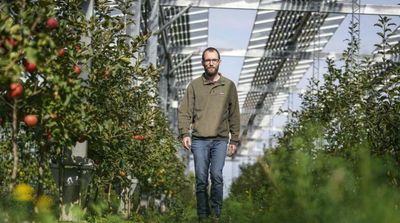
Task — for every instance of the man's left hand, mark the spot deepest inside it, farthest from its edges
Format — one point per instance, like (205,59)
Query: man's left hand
(231,149)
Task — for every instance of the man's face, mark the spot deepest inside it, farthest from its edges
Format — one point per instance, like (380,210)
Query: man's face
(211,63)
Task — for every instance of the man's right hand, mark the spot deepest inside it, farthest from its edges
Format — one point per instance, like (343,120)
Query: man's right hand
(187,142)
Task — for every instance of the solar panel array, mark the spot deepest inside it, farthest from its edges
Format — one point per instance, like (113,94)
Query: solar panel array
(189,31)
(288,40)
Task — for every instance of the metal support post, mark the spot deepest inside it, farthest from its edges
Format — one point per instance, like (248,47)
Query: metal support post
(355,36)
(133,28)
(316,51)
(80,149)
(173,19)
(164,78)
(151,47)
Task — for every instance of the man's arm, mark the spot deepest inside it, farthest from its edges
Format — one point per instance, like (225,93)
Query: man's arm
(234,121)
(234,116)
(185,116)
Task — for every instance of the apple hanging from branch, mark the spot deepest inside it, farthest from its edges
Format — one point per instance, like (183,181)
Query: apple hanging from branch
(29,66)
(15,90)
(77,69)
(52,23)
(61,52)
(31,120)
(138,137)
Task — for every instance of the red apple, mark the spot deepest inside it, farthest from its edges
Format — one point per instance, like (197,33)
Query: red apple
(29,66)
(31,120)
(15,90)
(52,23)
(11,42)
(61,52)
(138,137)
(77,69)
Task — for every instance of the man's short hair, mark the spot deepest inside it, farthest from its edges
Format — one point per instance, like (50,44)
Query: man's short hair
(210,49)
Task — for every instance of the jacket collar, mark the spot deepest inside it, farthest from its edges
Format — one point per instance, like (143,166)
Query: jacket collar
(221,80)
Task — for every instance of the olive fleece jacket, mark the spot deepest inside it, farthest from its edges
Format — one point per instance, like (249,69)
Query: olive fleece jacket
(211,109)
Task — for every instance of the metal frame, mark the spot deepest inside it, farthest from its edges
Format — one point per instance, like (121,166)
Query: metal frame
(304,6)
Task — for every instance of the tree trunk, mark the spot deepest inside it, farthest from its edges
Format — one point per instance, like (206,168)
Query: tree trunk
(14,132)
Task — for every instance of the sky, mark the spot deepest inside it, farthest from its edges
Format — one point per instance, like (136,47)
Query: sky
(231,29)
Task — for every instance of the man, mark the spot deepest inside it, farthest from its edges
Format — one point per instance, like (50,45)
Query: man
(210,109)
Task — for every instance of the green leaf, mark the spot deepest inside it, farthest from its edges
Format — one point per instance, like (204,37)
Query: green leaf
(15,29)
(31,54)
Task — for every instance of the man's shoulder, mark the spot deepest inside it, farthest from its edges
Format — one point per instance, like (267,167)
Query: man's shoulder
(227,80)
(196,81)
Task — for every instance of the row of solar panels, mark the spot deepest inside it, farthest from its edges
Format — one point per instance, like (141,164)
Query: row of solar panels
(284,42)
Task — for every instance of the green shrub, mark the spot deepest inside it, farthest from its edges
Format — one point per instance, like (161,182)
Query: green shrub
(302,186)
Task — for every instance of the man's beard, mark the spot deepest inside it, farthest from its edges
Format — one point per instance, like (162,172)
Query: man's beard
(211,73)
